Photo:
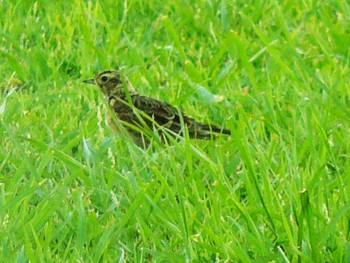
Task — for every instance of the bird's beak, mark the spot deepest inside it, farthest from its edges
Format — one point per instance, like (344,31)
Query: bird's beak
(89,81)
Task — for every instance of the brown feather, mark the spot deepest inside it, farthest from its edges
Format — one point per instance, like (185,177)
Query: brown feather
(138,110)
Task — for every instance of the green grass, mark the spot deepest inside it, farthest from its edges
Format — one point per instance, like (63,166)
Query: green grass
(277,190)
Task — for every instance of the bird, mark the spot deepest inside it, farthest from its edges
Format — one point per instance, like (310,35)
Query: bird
(140,114)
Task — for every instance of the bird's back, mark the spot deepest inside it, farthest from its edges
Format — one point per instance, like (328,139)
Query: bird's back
(143,110)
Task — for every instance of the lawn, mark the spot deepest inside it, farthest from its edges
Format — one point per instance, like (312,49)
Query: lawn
(276,73)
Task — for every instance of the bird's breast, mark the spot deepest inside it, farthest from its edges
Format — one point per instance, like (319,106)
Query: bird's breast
(120,107)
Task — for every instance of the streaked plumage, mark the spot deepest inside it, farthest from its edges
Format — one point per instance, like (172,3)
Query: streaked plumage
(140,111)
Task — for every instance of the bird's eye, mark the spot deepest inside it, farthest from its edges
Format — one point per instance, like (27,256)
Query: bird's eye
(104,78)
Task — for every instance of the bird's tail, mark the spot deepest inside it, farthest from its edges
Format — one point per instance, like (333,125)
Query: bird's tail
(206,131)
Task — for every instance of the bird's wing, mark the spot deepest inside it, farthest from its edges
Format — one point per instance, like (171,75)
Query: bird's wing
(161,112)
(164,115)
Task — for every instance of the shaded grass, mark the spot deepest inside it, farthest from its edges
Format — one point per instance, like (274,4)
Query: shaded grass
(276,190)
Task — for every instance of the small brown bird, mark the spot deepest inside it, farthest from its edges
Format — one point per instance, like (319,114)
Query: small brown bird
(140,113)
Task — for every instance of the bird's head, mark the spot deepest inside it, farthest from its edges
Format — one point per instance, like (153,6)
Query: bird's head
(109,82)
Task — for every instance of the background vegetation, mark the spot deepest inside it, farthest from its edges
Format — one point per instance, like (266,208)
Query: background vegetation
(274,72)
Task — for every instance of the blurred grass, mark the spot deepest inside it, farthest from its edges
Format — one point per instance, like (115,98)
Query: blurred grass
(276,190)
